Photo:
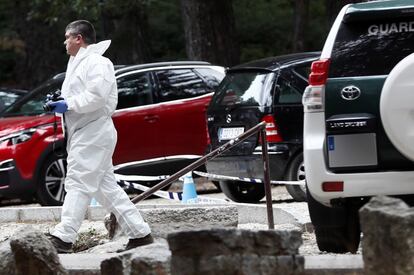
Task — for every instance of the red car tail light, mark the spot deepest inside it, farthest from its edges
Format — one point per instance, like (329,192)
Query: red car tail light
(208,140)
(319,72)
(272,131)
(333,186)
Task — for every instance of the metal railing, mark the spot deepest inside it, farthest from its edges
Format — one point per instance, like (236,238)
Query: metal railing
(261,127)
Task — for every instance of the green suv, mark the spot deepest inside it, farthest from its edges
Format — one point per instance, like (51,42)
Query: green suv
(358,118)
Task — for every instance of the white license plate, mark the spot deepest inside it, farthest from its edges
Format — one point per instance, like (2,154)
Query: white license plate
(230,133)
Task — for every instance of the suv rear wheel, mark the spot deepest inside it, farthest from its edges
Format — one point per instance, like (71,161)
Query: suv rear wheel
(296,172)
(240,191)
(50,186)
(337,229)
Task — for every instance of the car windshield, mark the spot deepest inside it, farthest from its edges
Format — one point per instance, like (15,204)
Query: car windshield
(245,88)
(8,97)
(32,104)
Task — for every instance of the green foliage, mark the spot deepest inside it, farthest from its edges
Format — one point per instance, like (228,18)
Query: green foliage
(7,59)
(166,30)
(51,11)
(31,32)
(265,27)
(318,26)
(261,27)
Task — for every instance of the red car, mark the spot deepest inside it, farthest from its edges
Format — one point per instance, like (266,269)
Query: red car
(160,119)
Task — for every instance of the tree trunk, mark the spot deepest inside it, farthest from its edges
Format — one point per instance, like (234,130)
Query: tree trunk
(301,19)
(210,31)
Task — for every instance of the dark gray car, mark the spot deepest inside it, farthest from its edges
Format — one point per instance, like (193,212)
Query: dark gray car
(264,90)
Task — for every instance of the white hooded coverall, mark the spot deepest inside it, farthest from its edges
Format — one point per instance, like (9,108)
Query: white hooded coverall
(91,94)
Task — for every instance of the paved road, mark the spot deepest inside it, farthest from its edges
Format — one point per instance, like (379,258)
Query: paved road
(204,188)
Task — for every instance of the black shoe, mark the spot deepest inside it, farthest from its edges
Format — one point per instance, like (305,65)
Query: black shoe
(61,246)
(133,243)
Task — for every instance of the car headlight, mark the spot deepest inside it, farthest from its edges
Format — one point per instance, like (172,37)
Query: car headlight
(19,137)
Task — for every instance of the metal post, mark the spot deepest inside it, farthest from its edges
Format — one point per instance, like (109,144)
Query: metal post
(268,190)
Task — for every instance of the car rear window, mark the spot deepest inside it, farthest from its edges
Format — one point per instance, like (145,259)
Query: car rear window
(244,88)
(365,48)
(212,77)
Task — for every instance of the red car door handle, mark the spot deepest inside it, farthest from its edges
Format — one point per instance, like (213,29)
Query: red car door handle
(151,118)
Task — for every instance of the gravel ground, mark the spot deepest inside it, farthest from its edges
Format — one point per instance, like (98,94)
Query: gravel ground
(8,229)
(279,196)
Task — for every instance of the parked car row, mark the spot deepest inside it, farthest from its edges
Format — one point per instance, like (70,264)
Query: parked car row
(161,124)
(160,119)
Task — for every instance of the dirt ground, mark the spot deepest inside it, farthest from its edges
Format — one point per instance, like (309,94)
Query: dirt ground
(203,186)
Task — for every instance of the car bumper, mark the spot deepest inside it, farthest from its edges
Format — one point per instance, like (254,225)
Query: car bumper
(355,184)
(251,166)
(12,185)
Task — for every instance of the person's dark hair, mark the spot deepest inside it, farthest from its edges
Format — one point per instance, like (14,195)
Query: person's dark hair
(84,28)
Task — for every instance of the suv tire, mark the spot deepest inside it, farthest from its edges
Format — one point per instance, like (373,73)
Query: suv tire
(240,191)
(337,229)
(296,172)
(55,167)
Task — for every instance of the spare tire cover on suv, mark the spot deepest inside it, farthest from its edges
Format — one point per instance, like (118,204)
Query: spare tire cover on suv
(397,106)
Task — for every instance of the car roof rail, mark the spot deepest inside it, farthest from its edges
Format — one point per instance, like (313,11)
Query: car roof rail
(274,63)
(128,68)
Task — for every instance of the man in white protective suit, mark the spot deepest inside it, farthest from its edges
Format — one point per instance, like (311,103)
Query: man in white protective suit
(90,97)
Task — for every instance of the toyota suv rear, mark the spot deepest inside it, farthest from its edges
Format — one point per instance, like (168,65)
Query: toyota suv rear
(350,148)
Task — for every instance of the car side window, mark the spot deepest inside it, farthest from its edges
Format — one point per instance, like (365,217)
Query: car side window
(134,90)
(303,71)
(179,84)
(287,93)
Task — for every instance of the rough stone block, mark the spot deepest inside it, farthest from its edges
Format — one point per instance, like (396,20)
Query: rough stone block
(167,220)
(7,265)
(149,259)
(388,242)
(235,251)
(155,262)
(34,253)
(226,215)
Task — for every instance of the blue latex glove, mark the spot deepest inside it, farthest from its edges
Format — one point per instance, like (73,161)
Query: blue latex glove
(58,106)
